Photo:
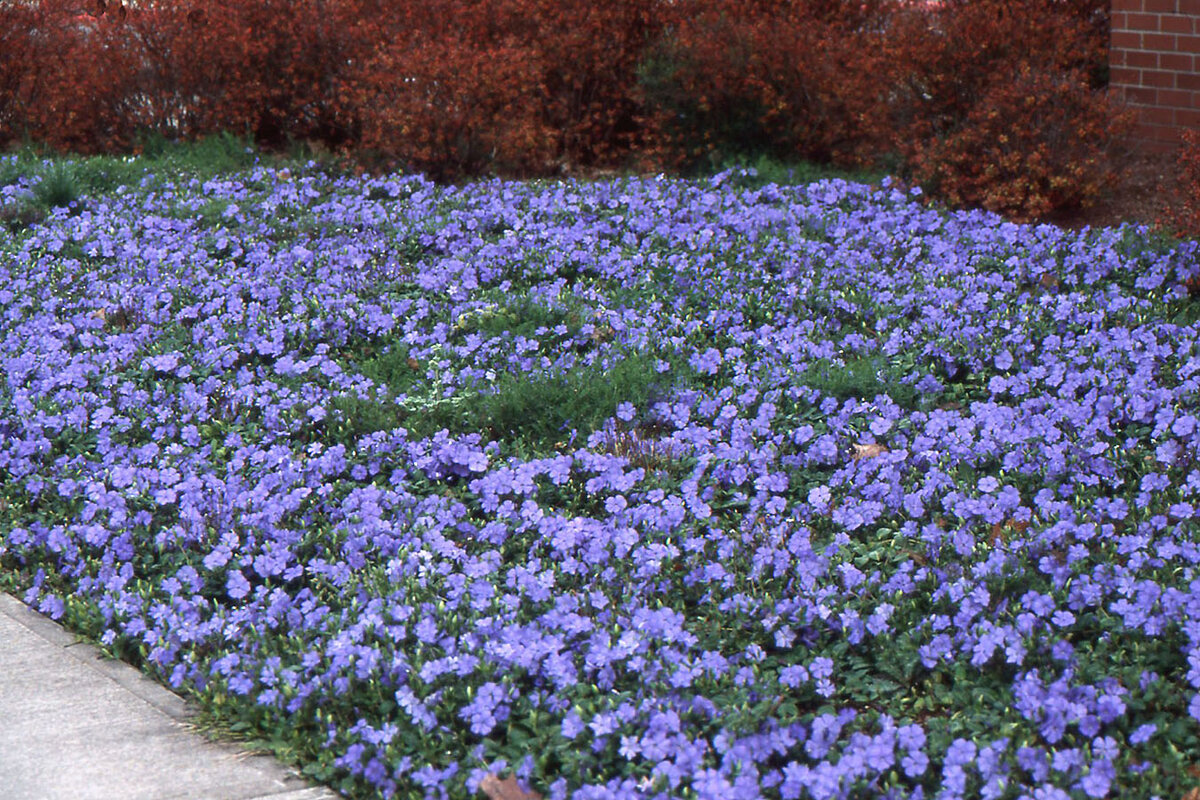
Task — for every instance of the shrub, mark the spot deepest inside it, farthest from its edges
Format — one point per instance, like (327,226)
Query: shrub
(453,104)
(950,55)
(17,24)
(1032,144)
(264,68)
(1183,216)
(992,102)
(521,86)
(97,81)
(1000,103)
(590,54)
(785,79)
(76,88)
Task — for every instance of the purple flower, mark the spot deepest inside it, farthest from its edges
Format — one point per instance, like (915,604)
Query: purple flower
(487,709)
(236,585)
(1098,781)
(1142,733)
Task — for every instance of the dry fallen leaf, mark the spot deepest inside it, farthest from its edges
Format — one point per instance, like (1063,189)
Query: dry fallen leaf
(1002,532)
(867,451)
(497,788)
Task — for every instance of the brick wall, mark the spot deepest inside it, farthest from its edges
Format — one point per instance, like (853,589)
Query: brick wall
(1155,65)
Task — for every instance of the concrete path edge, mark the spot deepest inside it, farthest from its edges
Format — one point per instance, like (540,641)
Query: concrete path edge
(75,725)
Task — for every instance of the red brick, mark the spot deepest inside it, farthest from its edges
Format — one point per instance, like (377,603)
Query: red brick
(1126,40)
(1126,5)
(1188,80)
(1162,42)
(1141,58)
(1158,79)
(1143,22)
(1175,98)
(1175,23)
(1188,118)
(1124,76)
(1176,62)
(1191,7)
(1142,97)
(1155,115)
(1161,6)
(1187,44)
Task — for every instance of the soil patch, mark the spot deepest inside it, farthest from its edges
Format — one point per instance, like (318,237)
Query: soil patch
(1144,192)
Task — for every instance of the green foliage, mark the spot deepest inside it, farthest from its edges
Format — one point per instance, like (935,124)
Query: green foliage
(63,180)
(534,412)
(541,411)
(1139,244)
(863,377)
(522,315)
(211,155)
(753,171)
(59,187)
(19,216)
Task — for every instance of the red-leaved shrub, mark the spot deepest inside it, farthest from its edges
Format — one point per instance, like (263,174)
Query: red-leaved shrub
(455,87)
(1183,216)
(17,26)
(1033,143)
(998,103)
(264,68)
(76,89)
(450,88)
(989,102)
(948,55)
(791,78)
(452,110)
(590,53)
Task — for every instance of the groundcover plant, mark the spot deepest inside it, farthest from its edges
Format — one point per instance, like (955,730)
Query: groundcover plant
(636,488)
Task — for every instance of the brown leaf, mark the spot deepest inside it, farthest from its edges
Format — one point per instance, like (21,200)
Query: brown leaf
(602,333)
(862,451)
(1003,531)
(497,788)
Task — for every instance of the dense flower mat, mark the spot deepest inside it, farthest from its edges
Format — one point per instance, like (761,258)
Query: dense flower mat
(641,488)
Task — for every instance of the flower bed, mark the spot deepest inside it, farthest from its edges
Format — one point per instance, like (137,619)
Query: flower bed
(639,488)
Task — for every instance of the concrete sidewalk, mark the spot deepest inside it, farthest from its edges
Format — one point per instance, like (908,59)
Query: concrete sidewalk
(76,726)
